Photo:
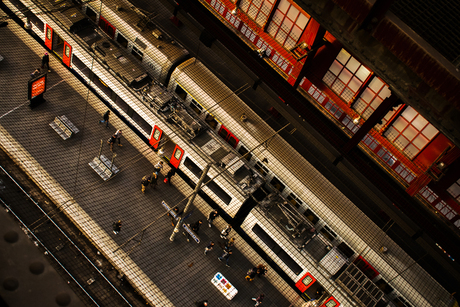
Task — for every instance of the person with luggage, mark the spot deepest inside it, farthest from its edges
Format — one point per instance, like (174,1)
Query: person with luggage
(145,182)
(251,274)
(168,176)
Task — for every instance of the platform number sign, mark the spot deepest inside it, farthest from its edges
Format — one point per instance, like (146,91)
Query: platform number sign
(37,86)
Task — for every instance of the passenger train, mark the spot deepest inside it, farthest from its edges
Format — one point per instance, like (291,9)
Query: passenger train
(324,243)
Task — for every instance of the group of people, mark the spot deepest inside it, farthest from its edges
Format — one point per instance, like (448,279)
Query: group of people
(259,270)
(153,178)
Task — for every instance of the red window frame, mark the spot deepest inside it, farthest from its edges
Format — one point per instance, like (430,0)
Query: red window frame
(228,136)
(285,21)
(372,96)
(256,9)
(407,138)
(346,76)
(66,57)
(107,27)
(175,158)
(153,140)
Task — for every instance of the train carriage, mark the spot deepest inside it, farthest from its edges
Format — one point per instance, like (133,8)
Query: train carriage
(133,30)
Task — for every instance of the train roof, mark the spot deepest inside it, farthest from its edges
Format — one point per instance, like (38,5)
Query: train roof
(68,14)
(137,27)
(327,201)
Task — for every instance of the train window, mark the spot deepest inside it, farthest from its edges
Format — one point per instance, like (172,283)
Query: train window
(400,302)
(80,65)
(121,103)
(49,33)
(223,133)
(346,250)
(244,152)
(181,92)
(294,200)
(265,237)
(262,169)
(36,21)
(122,40)
(91,13)
(196,107)
(328,233)
(195,169)
(311,216)
(276,183)
(137,53)
(67,51)
(101,85)
(211,121)
(142,123)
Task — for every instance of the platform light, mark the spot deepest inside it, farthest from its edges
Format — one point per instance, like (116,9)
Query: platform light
(356,120)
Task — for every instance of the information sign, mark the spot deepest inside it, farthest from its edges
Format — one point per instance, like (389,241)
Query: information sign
(224,286)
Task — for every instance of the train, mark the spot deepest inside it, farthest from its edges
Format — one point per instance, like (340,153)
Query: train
(176,103)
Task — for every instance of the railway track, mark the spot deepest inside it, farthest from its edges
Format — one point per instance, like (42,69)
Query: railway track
(79,263)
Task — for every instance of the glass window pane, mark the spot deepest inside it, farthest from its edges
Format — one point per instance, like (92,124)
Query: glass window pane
(409,113)
(400,124)
(420,141)
(345,76)
(359,106)
(295,33)
(287,25)
(430,131)
(367,95)
(355,84)
(337,86)
(272,28)
(391,133)
(376,102)
(410,133)
(362,73)
(401,142)
(353,65)
(419,122)
(376,84)
(343,56)
(278,17)
(302,21)
(283,6)
(293,13)
(385,92)
(335,68)
(411,151)
(454,190)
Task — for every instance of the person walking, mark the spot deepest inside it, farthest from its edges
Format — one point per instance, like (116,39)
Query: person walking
(211,217)
(259,299)
(118,136)
(261,270)
(145,182)
(251,274)
(173,219)
(230,243)
(46,62)
(158,167)
(208,247)
(116,227)
(226,231)
(105,119)
(226,256)
(111,141)
(154,181)
(195,227)
(170,173)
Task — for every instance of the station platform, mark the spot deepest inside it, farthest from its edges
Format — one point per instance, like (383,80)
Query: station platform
(166,273)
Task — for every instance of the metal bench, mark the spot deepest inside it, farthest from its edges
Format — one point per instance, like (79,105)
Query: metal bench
(103,167)
(64,127)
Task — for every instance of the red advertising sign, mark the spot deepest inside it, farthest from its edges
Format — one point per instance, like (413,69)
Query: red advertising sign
(37,87)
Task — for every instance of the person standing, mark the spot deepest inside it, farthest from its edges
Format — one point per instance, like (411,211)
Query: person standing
(212,215)
(36,73)
(230,243)
(154,181)
(251,274)
(259,299)
(158,167)
(111,141)
(118,136)
(170,173)
(261,270)
(208,247)
(46,62)
(226,231)
(145,182)
(105,119)
(195,227)
(226,256)
(116,227)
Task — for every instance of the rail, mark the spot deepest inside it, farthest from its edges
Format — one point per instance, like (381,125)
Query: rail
(67,237)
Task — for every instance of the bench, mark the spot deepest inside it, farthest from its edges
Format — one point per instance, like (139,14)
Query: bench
(64,127)
(103,167)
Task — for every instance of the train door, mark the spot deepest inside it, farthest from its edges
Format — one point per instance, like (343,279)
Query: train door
(155,136)
(58,45)
(49,37)
(107,27)
(228,136)
(176,157)
(67,54)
